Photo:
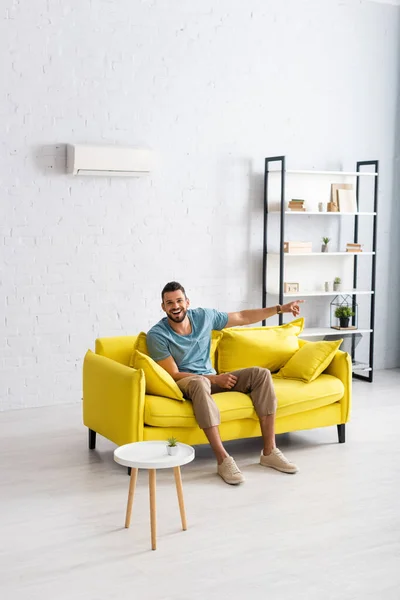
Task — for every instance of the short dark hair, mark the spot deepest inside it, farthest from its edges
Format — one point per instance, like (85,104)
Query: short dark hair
(172,286)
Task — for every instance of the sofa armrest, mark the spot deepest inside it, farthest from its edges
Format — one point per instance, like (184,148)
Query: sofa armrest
(113,399)
(341,368)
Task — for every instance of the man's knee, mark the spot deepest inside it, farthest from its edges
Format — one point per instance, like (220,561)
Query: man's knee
(199,383)
(260,374)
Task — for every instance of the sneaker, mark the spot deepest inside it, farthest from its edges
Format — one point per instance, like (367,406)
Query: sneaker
(230,472)
(277,460)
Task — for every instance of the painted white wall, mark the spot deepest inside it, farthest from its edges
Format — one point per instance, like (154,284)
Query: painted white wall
(212,88)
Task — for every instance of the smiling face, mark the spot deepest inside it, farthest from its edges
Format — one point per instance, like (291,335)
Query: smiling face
(175,305)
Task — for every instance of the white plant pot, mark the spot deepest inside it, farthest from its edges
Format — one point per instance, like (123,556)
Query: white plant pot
(337,287)
(172,450)
(324,248)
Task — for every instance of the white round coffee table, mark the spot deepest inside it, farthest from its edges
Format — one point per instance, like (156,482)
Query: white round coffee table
(152,456)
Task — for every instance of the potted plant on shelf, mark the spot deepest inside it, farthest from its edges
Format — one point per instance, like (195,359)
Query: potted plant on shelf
(337,284)
(172,446)
(343,313)
(325,242)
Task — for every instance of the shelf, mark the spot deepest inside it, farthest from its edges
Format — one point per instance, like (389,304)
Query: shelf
(277,202)
(342,173)
(315,212)
(322,253)
(323,331)
(359,366)
(321,293)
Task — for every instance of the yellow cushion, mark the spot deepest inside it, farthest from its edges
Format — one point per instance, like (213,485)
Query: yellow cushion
(216,337)
(141,345)
(310,361)
(293,397)
(158,381)
(268,347)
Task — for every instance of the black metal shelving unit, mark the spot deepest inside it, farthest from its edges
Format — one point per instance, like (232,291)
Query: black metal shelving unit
(281,162)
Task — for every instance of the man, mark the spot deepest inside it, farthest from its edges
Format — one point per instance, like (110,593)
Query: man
(180,344)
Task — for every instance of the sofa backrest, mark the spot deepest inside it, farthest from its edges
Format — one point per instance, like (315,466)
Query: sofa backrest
(120,348)
(117,348)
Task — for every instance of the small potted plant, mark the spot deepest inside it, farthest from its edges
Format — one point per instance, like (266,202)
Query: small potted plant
(172,446)
(325,242)
(343,313)
(337,284)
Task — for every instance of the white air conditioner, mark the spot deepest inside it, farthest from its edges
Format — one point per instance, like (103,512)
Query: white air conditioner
(109,161)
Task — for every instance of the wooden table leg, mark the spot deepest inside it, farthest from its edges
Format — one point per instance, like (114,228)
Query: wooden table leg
(179,489)
(153,517)
(132,486)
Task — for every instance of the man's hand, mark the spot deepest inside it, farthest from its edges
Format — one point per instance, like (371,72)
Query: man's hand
(225,380)
(292,307)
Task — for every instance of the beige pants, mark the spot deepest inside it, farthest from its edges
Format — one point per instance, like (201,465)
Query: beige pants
(255,380)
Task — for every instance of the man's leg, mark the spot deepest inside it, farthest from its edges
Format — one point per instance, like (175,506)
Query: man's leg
(198,390)
(258,382)
(267,424)
(214,438)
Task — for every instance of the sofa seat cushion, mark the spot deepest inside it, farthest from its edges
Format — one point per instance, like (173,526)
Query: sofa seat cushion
(164,412)
(297,396)
(293,397)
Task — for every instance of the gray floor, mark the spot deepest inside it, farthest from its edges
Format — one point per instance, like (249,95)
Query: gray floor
(330,532)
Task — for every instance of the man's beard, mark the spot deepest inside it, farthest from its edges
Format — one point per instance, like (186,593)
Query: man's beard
(179,317)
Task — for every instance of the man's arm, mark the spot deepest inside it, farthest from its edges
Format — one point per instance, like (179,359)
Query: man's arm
(248,317)
(169,365)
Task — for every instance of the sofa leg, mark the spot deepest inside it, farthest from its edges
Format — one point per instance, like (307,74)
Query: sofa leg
(92,439)
(341,429)
(129,471)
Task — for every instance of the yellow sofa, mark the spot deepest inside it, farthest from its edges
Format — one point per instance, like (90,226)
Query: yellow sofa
(116,406)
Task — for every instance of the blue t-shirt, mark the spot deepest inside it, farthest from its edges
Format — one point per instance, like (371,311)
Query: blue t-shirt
(190,352)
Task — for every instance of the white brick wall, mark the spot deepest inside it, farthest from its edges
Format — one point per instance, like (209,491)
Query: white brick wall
(213,88)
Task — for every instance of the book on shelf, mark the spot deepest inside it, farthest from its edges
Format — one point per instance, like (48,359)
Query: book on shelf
(353,247)
(339,186)
(347,200)
(296,204)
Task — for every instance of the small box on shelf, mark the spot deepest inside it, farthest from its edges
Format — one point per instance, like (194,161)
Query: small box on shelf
(297,247)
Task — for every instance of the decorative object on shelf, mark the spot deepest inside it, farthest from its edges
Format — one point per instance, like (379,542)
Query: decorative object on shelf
(327,286)
(296,204)
(297,247)
(332,207)
(347,200)
(172,446)
(337,284)
(325,242)
(350,247)
(343,308)
(321,207)
(343,313)
(291,287)
(334,192)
